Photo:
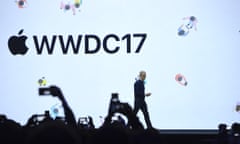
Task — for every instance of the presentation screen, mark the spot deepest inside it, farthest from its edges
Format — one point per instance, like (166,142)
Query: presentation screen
(190,50)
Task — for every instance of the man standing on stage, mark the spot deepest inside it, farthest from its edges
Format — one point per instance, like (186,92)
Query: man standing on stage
(139,95)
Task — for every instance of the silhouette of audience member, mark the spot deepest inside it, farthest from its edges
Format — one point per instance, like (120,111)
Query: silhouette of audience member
(10,131)
(50,131)
(222,137)
(91,124)
(235,134)
(116,106)
(86,123)
(149,136)
(113,133)
(34,119)
(53,132)
(69,116)
(56,92)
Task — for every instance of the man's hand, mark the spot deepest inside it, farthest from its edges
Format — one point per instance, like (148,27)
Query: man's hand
(148,94)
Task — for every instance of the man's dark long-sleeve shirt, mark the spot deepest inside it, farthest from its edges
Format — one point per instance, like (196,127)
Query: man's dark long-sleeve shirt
(139,90)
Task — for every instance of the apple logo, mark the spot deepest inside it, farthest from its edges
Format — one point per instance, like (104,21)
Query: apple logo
(17,44)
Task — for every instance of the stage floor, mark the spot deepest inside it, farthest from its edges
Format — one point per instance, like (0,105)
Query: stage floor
(189,131)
